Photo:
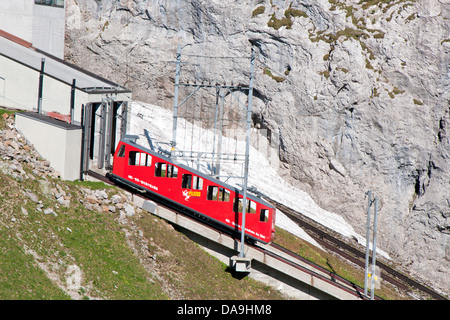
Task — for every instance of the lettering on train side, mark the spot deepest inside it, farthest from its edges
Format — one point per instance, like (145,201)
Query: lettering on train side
(142,182)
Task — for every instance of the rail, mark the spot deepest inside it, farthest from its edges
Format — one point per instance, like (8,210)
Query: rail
(351,253)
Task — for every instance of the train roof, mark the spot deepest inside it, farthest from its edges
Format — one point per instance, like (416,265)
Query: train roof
(131,140)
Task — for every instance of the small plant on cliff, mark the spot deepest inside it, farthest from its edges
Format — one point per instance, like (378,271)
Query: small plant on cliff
(259,10)
(267,71)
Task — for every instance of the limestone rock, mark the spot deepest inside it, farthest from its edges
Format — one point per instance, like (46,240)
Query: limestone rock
(129,210)
(91,199)
(116,199)
(50,211)
(32,196)
(24,211)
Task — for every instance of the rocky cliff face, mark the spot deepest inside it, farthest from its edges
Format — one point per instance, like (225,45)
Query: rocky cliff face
(358,92)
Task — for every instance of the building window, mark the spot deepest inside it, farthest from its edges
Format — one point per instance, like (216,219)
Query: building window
(53,3)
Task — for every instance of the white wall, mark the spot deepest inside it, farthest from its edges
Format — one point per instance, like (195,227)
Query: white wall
(55,96)
(60,146)
(43,26)
(48,29)
(20,85)
(16,17)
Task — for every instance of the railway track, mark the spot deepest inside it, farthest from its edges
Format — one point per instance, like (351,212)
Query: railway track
(343,283)
(348,252)
(271,249)
(331,243)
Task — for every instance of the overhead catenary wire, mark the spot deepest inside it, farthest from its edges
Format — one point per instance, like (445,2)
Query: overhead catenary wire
(205,84)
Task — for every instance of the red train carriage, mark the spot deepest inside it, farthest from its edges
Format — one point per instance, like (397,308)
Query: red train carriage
(201,194)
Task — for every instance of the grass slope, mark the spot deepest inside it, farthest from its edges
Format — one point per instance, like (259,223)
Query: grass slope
(78,253)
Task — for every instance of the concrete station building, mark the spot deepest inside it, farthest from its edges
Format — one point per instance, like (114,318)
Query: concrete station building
(73,117)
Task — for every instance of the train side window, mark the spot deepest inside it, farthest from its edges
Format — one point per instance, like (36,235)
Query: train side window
(224,195)
(160,169)
(142,159)
(216,193)
(237,208)
(212,193)
(136,158)
(146,159)
(121,152)
(186,181)
(172,171)
(197,183)
(133,158)
(251,207)
(264,215)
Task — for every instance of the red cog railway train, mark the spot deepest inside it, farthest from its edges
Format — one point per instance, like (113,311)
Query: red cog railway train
(201,195)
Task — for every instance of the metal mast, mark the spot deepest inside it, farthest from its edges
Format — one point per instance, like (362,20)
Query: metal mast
(374,248)
(247,150)
(175,103)
(366,270)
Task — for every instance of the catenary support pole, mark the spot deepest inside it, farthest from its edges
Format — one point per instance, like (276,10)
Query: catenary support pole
(175,103)
(374,249)
(219,138)
(213,169)
(247,149)
(366,270)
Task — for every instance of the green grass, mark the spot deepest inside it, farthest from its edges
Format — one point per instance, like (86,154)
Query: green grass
(278,23)
(142,257)
(91,240)
(290,12)
(192,270)
(286,21)
(97,243)
(20,278)
(93,185)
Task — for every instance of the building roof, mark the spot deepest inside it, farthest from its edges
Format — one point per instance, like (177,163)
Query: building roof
(23,52)
(48,120)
